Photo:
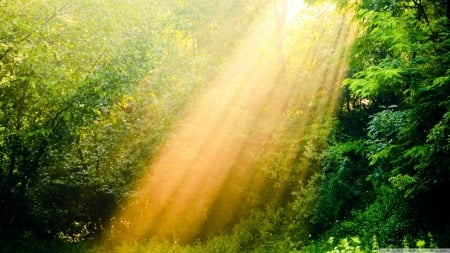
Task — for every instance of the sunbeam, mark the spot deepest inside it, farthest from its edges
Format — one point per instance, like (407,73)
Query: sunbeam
(239,143)
(293,8)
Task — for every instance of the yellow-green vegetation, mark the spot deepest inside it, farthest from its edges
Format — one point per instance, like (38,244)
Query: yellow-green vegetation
(224,126)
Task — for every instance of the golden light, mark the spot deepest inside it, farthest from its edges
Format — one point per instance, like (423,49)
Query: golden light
(239,143)
(293,8)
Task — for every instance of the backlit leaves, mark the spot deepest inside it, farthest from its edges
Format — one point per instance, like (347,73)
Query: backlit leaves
(374,81)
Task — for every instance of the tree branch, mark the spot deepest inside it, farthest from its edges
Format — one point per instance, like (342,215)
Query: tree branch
(46,22)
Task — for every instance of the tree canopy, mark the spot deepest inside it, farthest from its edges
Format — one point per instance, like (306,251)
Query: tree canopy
(348,150)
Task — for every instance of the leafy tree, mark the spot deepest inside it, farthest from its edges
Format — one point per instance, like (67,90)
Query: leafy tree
(89,90)
(397,91)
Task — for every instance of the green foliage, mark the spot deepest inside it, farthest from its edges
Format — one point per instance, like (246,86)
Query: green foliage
(88,92)
(398,98)
(346,245)
(374,81)
(344,187)
(28,242)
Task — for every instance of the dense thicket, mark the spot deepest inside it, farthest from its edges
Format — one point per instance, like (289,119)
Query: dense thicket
(387,171)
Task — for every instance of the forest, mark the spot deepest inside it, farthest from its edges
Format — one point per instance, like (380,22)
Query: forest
(224,125)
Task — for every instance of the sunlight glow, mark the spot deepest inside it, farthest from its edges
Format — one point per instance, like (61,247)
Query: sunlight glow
(240,145)
(293,8)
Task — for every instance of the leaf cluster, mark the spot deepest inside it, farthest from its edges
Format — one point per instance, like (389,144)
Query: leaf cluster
(398,89)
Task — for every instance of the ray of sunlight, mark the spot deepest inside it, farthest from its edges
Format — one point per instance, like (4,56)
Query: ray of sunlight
(237,146)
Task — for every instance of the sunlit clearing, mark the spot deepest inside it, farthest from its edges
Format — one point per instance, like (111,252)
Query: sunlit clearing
(241,144)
